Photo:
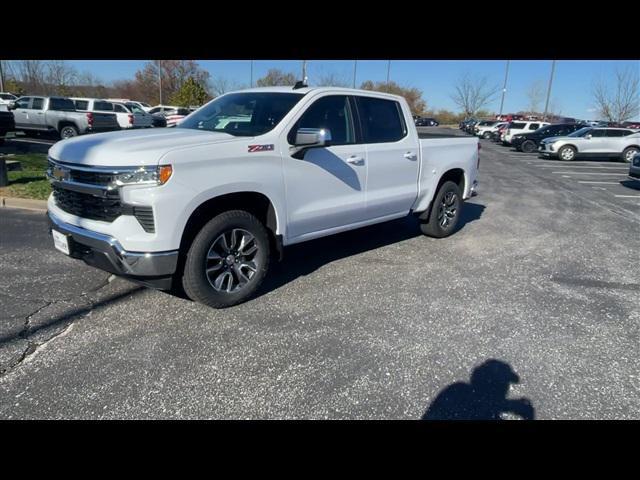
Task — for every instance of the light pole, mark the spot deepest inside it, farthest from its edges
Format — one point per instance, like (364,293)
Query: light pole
(546,105)
(160,79)
(251,80)
(1,78)
(355,66)
(304,71)
(388,70)
(504,87)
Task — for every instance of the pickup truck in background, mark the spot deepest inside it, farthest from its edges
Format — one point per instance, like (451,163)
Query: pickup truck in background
(128,116)
(209,203)
(58,114)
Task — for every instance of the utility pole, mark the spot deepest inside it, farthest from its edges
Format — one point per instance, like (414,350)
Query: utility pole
(160,79)
(251,81)
(388,70)
(504,87)
(304,71)
(1,78)
(546,105)
(355,67)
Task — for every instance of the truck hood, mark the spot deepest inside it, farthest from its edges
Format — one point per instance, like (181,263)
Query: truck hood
(133,148)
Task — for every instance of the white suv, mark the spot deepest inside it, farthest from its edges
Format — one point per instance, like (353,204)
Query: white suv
(522,126)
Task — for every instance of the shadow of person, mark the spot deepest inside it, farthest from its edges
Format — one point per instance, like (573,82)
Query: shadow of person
(484,398)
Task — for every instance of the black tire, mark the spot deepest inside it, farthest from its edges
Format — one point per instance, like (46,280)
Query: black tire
(440,223)
(486,135)
(629,153)
(528,146)
(565,155)
(68,131)
(197,284)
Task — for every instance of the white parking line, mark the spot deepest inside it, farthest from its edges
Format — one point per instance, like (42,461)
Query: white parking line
(602,183)
(613,167)
(627,196)
(612,174)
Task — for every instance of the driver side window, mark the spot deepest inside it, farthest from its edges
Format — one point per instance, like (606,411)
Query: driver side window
(331,112)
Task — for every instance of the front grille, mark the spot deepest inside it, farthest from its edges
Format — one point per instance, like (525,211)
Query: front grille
(86,177)
(105,209)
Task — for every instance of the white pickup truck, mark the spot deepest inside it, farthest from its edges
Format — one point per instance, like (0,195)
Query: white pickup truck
(210,202)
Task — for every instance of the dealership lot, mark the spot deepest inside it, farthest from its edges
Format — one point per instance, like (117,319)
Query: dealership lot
(368,324)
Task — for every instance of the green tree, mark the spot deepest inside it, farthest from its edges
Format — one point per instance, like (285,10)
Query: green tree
(191,93)
(275,77)
(413,95)
(14,87)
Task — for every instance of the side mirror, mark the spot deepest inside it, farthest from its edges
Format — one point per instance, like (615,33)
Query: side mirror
(313,137)
(588,136)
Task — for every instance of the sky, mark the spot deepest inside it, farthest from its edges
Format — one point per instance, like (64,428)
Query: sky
(571,88)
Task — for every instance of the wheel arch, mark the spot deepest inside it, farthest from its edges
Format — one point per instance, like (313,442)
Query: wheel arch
(457,176)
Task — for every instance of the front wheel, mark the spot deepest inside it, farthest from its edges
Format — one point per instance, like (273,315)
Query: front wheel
(567,153)
(486,135)
(528,146)
(227,261)
(629,153)
(445,211)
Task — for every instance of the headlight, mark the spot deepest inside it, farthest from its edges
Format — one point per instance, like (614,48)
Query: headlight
(145,176)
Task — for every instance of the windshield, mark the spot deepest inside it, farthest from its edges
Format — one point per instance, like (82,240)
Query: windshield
(581,133)
(134,108)
(243,114)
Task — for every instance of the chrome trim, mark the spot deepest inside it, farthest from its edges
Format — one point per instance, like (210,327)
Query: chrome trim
(90,188)
(124,262)
(96,169)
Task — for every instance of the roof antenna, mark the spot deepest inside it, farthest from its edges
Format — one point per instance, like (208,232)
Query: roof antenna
(301,84)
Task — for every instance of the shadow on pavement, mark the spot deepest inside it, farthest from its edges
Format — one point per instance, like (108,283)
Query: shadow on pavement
(305,258)
(483,398)
(632,184)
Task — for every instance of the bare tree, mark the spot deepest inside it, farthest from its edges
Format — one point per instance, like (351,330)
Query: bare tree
(61,78)
(332,80)
(220,85)
(412,95)
(620,101)
(473,93)
(275,77)
(32,73)
(535,96)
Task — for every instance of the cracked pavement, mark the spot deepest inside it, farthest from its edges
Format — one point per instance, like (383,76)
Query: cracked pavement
(370,324)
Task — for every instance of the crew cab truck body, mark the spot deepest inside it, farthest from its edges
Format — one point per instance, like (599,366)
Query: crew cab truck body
(210,202)
(58,114)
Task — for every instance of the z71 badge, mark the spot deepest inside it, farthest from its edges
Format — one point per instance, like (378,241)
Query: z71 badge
(260,148)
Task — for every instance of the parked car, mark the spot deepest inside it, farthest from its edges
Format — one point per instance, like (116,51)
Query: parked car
(465,123)
(158,120)
(426,122)
(58,114)
(497,135)
(631,125)
(7,124)
(211,206)
(634,167)
(173,114)
(485,129)
(528,142)
(598,142)
(128,115)
(6,98)
(141,105)
(521,127)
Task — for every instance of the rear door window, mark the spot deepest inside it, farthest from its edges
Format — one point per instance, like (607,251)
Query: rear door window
(332,112)
(37,103)
(103,106)
(618,133)
(120,109)
(517,126)
(381,120)
(81,104)
(596,132)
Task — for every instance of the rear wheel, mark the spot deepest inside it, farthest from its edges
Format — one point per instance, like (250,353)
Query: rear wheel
(567,153)
(68,131)
(486,135)
(629,153)
(445,212)
(528,146)
(227,261)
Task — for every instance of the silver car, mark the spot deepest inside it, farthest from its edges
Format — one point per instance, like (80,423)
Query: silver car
(593,142)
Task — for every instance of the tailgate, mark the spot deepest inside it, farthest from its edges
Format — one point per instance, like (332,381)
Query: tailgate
(105,121)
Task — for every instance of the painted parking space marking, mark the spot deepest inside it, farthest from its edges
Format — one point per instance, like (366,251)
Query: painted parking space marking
(627,196)
(595,181)
(611,174)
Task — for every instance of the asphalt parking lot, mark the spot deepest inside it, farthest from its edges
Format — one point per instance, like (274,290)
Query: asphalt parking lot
(533,302)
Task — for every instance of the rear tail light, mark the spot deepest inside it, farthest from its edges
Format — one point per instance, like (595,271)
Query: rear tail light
(90,118)
(130,119)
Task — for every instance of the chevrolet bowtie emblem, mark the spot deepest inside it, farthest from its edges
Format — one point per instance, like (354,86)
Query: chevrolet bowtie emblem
(60,173)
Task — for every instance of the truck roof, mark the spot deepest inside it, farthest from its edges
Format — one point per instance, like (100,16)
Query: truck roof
(305,90)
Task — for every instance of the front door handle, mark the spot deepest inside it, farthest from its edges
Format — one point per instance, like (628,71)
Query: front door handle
(410,156)
(355,160)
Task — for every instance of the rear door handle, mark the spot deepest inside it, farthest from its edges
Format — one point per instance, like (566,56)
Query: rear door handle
(355,160)
(410,156)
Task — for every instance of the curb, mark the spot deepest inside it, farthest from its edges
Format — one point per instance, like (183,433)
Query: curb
(24,203)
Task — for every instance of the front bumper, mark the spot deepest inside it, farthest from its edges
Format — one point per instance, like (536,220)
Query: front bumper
(102,251)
